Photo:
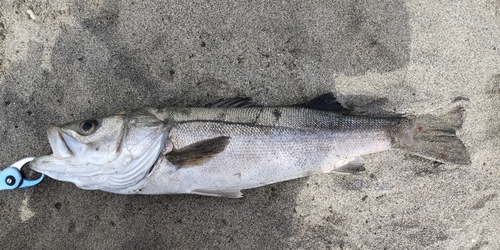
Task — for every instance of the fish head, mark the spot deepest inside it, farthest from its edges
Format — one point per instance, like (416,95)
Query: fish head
(112,153)
(97,141)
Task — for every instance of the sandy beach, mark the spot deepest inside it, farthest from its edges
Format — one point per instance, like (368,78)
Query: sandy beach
(64,60)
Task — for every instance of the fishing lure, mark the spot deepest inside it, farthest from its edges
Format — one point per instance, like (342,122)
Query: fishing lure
(12,178)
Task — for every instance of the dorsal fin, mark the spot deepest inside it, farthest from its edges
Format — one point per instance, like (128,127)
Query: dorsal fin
(326,102)
(235,102)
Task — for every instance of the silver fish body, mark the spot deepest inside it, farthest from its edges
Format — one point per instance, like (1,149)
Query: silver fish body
(220,151)
(266,145)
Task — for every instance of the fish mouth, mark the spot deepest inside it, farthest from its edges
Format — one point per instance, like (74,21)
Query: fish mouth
(58,143)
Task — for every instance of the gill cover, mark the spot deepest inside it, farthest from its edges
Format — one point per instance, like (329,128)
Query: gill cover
(113,153)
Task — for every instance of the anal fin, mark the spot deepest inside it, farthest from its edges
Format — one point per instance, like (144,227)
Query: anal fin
(219,193)
(350,166)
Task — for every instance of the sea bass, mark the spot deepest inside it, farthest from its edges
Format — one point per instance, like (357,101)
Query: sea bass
(234,144)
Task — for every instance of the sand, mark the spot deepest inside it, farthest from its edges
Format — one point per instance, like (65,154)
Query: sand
(65,60)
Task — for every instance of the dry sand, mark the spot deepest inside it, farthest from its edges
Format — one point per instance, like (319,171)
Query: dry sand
(64,60)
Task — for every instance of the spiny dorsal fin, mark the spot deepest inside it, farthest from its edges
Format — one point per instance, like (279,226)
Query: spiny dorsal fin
(326,102)
(235,102)
(198,153)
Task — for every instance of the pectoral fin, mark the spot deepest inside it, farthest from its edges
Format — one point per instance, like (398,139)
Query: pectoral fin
(198,153)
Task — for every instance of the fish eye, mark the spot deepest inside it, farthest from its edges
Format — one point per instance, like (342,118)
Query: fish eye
(88,126)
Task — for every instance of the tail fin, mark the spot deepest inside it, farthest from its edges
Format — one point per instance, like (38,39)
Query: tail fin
(434,137)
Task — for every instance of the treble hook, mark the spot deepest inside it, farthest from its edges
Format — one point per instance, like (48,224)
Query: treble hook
(11,178)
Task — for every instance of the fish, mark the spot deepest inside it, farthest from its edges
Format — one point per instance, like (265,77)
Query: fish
(234,144)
